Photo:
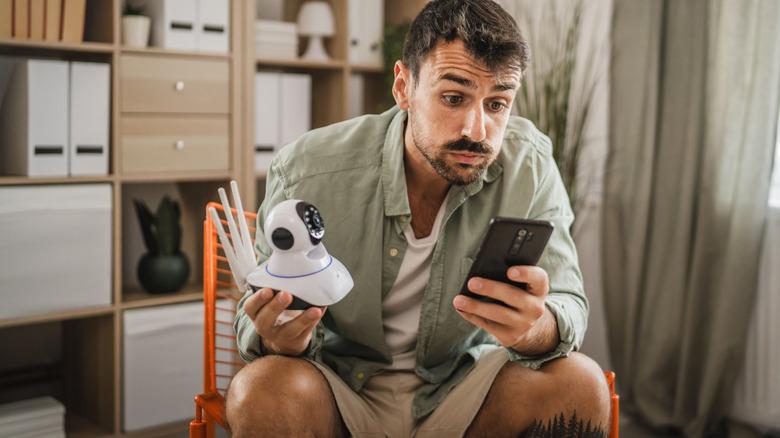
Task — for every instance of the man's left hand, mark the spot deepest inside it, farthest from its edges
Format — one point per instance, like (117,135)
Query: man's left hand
(525,324)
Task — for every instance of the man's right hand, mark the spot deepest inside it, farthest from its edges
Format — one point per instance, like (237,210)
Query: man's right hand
(291,338)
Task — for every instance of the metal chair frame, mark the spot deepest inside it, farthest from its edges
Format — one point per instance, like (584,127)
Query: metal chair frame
(218,284)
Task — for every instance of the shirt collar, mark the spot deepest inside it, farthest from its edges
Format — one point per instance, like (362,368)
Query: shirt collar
(394,176)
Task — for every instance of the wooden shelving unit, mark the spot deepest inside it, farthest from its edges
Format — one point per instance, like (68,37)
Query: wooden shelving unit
(92,337)
(331,90)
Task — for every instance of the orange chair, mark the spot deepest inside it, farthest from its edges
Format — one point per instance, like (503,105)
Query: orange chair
(221,360)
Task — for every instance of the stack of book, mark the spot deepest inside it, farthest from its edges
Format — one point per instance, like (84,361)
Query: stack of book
(38,417)
(43,20)
(276,39)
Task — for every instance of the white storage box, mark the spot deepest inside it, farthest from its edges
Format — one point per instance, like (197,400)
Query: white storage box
(34,120)
(38,417)
(213,25)
(163,364)
(173,23)
(55,248)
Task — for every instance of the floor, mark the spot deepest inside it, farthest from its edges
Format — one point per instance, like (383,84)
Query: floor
(632,429)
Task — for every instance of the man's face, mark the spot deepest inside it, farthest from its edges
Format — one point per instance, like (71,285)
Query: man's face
(458,111)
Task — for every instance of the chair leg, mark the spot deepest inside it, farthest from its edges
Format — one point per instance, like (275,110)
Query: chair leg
(198,426)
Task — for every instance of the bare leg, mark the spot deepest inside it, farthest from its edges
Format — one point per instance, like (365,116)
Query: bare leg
(533,403)
(282,396)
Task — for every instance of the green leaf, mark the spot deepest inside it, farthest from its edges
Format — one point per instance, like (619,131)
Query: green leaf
(148,230)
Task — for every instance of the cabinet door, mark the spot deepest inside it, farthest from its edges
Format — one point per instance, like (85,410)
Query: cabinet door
(181,85)
(372,31)
(366,28)
(174,144)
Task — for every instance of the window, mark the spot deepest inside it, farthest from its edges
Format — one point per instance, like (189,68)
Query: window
(774,190)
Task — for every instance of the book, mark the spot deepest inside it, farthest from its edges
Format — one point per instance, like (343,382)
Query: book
(21,19)
(37,8)
(52,20)
(6,18)
(73,20)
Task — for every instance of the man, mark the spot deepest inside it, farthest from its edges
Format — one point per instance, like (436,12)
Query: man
(407,196)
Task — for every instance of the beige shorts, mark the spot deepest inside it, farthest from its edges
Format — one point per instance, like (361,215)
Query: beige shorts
(384,407)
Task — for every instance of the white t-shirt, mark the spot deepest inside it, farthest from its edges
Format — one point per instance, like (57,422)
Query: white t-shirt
(401,306)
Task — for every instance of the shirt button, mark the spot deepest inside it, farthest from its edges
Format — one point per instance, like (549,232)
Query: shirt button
(360,375)
(393,252)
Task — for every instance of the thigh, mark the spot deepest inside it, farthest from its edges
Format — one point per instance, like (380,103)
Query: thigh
(459,408)
(570,390)
(355,411)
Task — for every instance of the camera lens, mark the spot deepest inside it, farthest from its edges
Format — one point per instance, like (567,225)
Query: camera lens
(521,233)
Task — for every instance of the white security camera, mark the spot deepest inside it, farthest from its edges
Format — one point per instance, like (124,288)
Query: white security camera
(299,263)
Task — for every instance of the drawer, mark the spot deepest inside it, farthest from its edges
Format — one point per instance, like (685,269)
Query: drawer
(163,144)
(152,84)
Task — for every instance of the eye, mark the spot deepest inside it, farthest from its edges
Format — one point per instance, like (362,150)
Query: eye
(497,106)
(452,99)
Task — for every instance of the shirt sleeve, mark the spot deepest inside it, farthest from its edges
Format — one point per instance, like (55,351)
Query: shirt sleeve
(247,339)
(566,299)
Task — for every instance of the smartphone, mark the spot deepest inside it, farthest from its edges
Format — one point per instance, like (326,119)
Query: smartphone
(508,242)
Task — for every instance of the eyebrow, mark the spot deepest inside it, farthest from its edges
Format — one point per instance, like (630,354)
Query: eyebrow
(503,86)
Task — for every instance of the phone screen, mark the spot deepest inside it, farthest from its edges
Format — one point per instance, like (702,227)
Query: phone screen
(508,242)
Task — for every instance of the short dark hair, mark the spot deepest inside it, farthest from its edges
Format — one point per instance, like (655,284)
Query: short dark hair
(489,33)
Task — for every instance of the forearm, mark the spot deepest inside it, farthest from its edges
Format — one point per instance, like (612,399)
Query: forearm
(541,338)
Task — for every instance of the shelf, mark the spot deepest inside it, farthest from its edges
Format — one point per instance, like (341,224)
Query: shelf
(57,316)
(179,428)
(364,68)
(79,427)
(174,52)
(135,298)
(218,175)
(84,47)
(300,63)
(27,180)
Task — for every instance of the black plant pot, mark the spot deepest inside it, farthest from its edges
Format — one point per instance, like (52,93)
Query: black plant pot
(163,273)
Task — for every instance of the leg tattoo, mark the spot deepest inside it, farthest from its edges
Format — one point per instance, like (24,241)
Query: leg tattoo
(558,428)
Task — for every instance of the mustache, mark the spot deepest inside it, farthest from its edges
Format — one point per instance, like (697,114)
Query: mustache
(466,145)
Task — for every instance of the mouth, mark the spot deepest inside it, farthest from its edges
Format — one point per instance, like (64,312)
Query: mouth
(467,157)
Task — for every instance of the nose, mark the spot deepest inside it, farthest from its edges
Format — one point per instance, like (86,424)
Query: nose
(474,125)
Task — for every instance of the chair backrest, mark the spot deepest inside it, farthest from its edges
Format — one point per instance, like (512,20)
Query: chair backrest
(220,296)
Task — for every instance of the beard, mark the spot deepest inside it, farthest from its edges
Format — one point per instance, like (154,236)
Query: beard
(459,174)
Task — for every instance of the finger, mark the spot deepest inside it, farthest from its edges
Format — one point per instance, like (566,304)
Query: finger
(267,316)
(510,295)
(301,325)
(535,277)
(488,311)
(502,333)
(254,303)
(244,229)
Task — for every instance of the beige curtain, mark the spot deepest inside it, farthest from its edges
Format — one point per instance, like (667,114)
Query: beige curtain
(693,114)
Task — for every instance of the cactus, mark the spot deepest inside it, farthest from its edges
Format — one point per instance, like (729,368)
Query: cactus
(161,231)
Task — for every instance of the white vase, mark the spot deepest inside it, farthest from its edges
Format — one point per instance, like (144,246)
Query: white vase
(135,30)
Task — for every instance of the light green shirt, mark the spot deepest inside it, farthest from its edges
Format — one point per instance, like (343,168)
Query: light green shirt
(353,172)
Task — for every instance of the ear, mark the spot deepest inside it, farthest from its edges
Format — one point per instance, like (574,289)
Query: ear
(402,85)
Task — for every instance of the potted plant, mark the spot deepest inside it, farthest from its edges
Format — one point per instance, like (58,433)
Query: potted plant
(135,25)
(163,269)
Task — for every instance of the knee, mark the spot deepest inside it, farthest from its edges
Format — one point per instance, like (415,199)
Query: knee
(274,388)
(583,383)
